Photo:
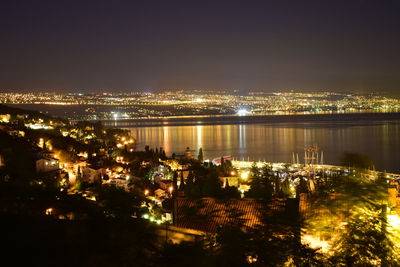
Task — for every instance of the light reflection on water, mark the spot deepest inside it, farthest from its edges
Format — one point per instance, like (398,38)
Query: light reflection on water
(277,141)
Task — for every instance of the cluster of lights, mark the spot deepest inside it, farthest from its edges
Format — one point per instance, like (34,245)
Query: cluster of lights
(203,103)
(38,126)
(120,159)
(5,118)
(125,141)
(152,218)
(243,112)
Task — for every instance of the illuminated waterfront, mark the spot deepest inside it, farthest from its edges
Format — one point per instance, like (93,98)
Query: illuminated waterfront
(276,142)
(144,105)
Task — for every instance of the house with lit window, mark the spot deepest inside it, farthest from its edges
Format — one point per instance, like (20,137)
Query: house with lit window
(5,118)
(46,164)
(93,174)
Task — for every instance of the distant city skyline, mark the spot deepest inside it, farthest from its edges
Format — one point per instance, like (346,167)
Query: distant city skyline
(124,46)
(192,104)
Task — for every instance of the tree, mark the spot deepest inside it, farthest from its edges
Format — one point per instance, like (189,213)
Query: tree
(302,187)
(222,165)
(200,156)
(357,161)
(117,203)
(182,183)
(355,218)
(233,246)
(254,171)
(276,181)
(364,241)
(276,242)
(230,192)
(175,182)
(98,129)
(185,254)
(191,189)
(212,185)
(285,188)
(260,184)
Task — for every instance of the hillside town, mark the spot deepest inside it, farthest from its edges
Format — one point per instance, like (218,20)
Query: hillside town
(81,171)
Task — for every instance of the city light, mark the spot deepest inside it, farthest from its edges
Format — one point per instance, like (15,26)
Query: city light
(49,211)
(243,112)
(394,221)
(205,103)
(245,175)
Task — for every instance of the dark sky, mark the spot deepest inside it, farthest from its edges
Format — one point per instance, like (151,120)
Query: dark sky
(150,45)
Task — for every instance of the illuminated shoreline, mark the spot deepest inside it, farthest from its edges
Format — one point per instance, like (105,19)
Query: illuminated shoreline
(253,119)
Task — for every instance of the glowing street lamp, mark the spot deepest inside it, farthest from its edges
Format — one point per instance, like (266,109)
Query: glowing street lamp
(244,175)
(49,211)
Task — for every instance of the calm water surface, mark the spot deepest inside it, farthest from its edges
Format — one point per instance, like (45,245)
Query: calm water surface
(276,142)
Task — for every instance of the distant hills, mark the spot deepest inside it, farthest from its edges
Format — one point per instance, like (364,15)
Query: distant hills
(4,109)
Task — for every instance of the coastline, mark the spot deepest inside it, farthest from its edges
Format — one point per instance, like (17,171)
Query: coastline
(219,119)
(253,119)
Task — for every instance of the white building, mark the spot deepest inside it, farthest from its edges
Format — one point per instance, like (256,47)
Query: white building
(92,174)
(45,164)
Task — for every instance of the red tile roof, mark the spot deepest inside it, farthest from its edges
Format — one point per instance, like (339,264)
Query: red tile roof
(208,214)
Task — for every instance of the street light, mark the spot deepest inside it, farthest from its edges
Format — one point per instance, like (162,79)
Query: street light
(244,175)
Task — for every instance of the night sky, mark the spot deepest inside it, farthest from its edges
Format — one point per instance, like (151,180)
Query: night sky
(152,45)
